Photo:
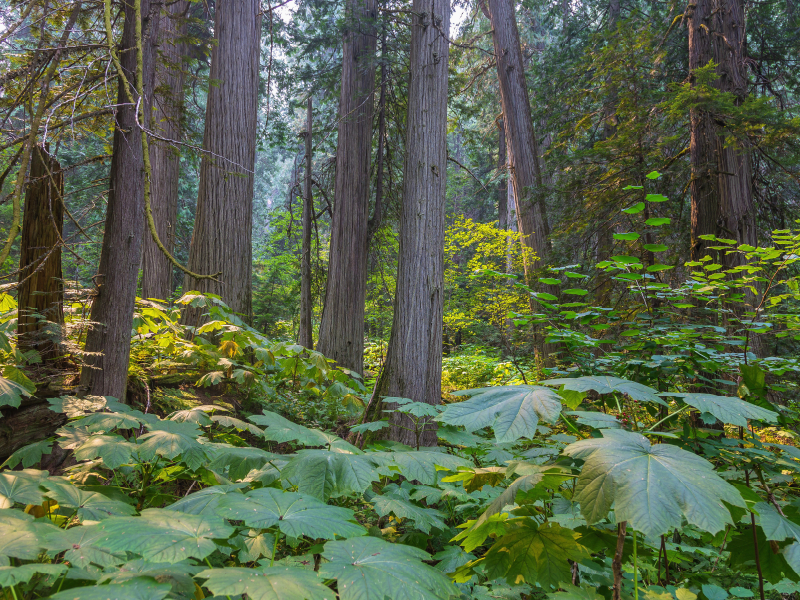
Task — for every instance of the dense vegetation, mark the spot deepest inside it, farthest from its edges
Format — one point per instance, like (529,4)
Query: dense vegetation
(399,300)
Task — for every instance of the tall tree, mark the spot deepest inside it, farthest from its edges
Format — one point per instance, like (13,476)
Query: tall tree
(523,151)
(40,295)
(305,335)
(222,238)
(108,341)
(164,157)
(721,185)
(413,367)
(341,333)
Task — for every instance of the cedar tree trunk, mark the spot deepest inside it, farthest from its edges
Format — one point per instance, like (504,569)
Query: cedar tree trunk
(41,286)
(305,337)
(222,237)
(164,157)
(413,367)
(341,332)
(105,372)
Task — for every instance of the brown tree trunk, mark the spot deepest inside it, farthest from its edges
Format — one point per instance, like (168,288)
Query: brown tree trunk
(341,332)
(523,152)
(108,341)
(502,186)
(165,157)
(305,337)
(721,186)
(41,286)
(413,366)
(222,238)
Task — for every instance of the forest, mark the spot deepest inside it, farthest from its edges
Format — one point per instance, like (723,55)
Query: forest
(400,299)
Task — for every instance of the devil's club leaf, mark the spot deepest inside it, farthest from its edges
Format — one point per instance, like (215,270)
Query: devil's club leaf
(10,576)
(238,460)
(82,545)
(727,409)
(649,486)
(279,429)
(370,569)
(513,411)
(91,505)
(424,518)
(325,474)
(205,501)
(171,444)
(271,583)
(295,514)
(11,392)
(23,539)
(113,450)
(164,535)
(21,486)
(141,588)
(776,527)
(534,553)
(29,455)
(607,385)
(420,465)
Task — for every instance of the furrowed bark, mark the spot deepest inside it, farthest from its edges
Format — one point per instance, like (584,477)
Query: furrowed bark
(341,333)
(413,367)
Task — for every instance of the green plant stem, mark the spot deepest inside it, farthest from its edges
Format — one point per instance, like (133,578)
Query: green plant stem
(635,569)
(274,549)
(677,412)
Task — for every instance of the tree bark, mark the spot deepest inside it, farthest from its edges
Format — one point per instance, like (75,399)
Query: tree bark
(222,238)
(108,341)
(523,152)
(721,186)
(341,333)
(40,294)
(164,157)
(413,367)
(502,191)
(305,337)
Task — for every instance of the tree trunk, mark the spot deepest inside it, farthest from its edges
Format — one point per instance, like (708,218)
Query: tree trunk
(721,186)
(502,191)
(222,238)
(164,157)
(41,286)
(413,366)
(523,152)
(341,333)
(108,341)
(305,337)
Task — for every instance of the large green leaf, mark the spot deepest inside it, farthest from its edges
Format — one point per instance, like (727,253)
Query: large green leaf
(237,424)
(141,588)
(513,411)
(727,409)
(238,461)
(270,583)
(21,486)
(603,384)
(774,565)
(325,474)
(23,539)
(102,422)
(164,535)
(113,450)
(424,518)
(171,444)
(533,553)
(295,514)
(651,487)
(29,455)
(10,576)
(280,429)
(83,546)
(420,465)
(776,527)
(11,392)
(370,569)
(205,501)
(179,576)
(91,506)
